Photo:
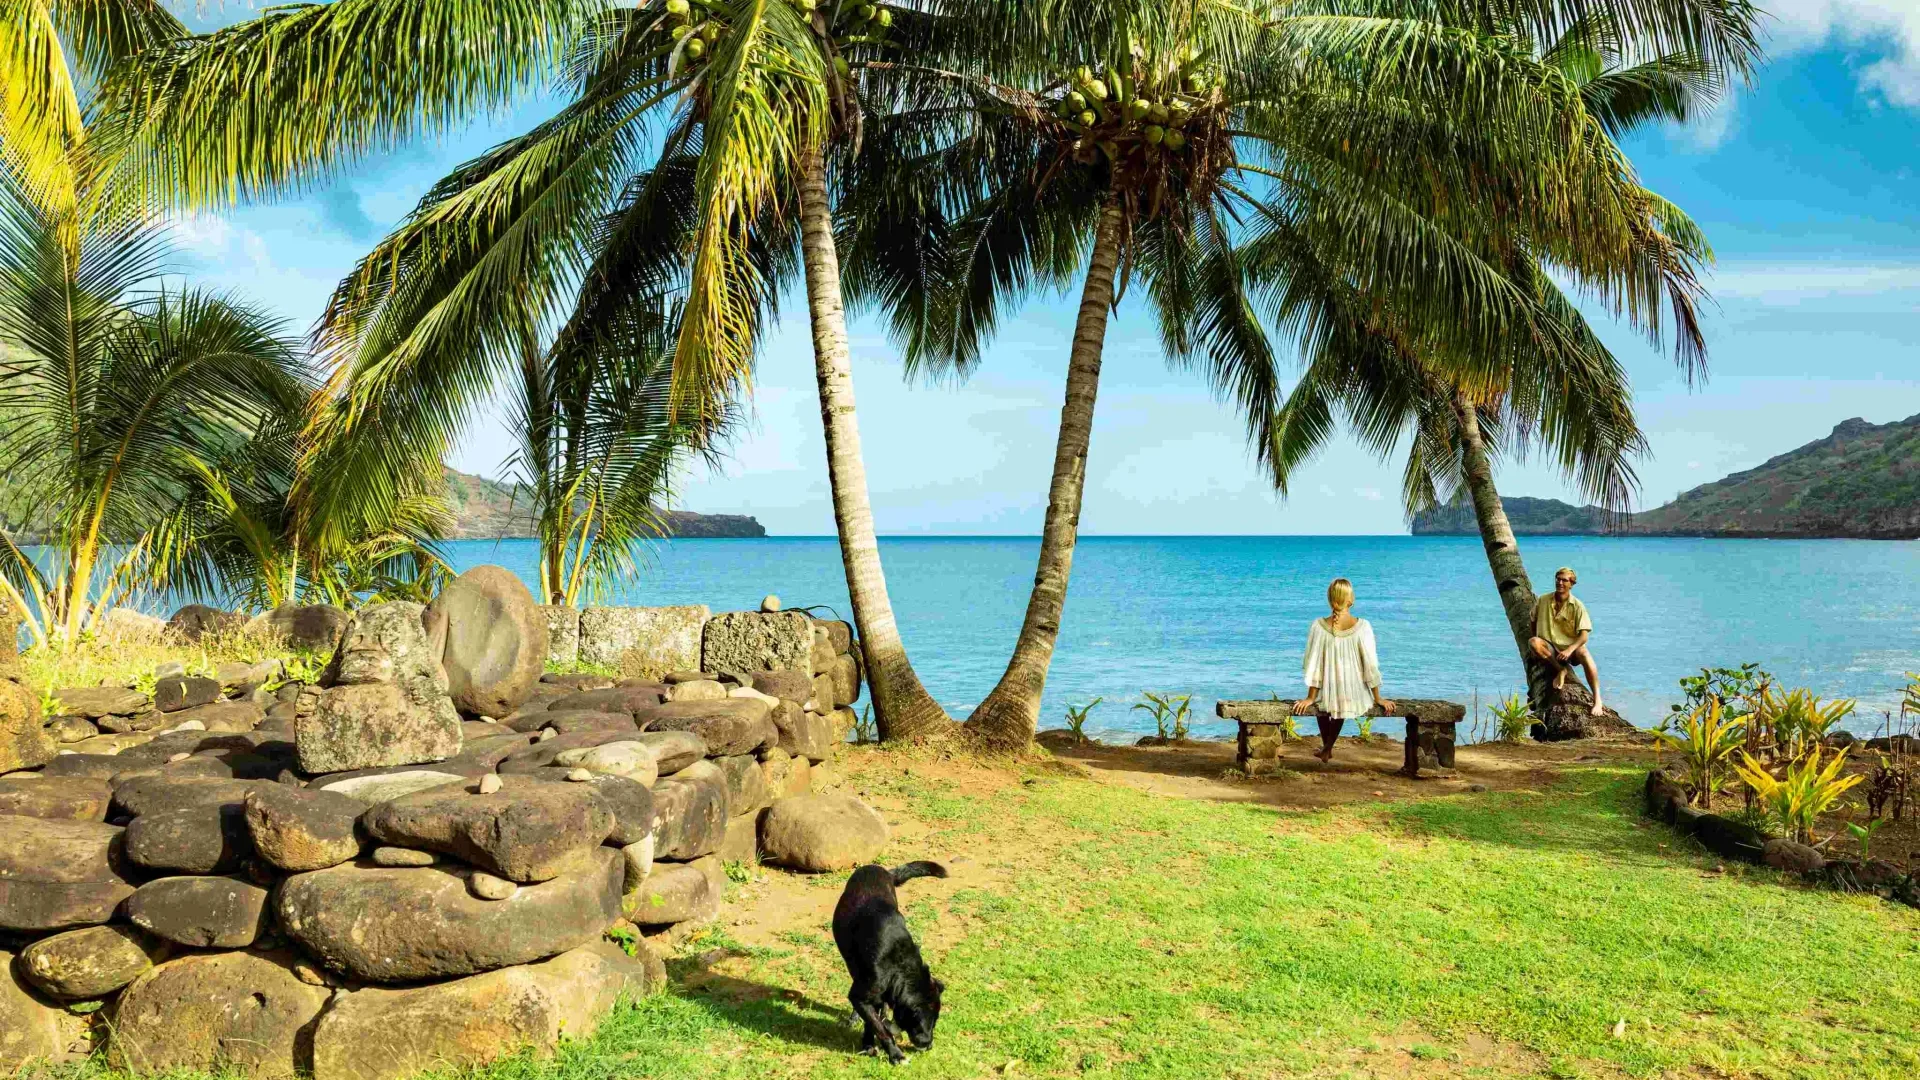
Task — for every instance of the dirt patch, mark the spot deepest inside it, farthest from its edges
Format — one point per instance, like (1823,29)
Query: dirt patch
(1361,771)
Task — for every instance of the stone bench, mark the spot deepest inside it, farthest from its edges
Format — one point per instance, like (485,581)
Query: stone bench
(1430,731)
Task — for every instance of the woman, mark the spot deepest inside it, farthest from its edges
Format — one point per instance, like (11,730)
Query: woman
(1342,669)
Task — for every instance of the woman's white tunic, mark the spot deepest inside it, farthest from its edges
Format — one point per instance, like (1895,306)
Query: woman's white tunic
(1344,665)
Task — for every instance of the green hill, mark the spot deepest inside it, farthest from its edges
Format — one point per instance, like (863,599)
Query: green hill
(485,509)
(1862,481)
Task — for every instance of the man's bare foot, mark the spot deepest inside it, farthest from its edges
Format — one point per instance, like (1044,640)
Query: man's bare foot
(1598,709)
(1324,755)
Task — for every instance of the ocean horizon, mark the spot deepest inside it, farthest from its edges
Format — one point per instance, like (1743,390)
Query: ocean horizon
(1225,617)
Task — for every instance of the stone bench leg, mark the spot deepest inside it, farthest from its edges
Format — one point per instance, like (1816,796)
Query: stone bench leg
(1429,743)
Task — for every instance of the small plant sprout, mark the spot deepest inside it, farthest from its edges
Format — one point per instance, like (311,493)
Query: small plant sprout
(1863,835)
(1511,718)
(864,731)
(1170,714)
(1363,730)
(1077,720)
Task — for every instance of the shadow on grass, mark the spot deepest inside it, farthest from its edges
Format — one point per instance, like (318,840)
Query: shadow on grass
(1591,811)
(774,1011)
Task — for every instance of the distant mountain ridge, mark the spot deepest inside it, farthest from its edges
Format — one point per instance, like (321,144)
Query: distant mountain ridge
(485,509)
(1862,482)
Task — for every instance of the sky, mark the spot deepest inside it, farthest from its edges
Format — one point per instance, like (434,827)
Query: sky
(1806,182)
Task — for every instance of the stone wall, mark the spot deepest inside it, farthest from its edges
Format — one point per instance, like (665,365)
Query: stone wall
(360,879)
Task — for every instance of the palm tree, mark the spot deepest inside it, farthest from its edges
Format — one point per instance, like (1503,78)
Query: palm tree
(599,444)
(111,387)
(1565,392)
(739,103)
(53,52)
(1395,162)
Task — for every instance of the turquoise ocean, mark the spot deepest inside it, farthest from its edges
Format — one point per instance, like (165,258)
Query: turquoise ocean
(1226,617)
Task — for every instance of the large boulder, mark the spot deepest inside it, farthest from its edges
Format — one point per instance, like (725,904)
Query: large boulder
(24,743)
(296,829)
(820,833)
(729,726)
(70,798)
(804,733)
(1787,855)
(690,810)
(158,792)
(202,912)
(185,692)
(1569,715)
(746,784)
(31,1030)
(845,673)
(839,634)
(677,893)
(125,624)
(563,634)
(673,750)
(526,831)
(496,640)
(641,642)
(89,963)
(383,699)
(404,925)
(190,839)
(195,621)
(630,800)
(245,1013)
(311,628)
(751,641)
(56,875)
(379,1034)
(794,686)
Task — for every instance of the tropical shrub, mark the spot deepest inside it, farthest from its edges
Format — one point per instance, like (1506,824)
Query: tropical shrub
(1736,689)
(1797,721)
(1706,741)
(1888,787)
(1077,719)
(1512,718)
(1808,788)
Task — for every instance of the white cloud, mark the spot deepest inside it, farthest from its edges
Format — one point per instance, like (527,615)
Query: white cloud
(1789,283)
(1888,29)
(1369,494)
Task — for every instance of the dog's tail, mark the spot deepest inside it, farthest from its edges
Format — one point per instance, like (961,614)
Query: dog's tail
(904,874)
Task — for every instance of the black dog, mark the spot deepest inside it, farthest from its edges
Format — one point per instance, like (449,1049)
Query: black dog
(884,962)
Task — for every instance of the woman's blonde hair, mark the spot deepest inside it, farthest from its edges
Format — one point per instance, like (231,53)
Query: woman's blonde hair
(1340,593)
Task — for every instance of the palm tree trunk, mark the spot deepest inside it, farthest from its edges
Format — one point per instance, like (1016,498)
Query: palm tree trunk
(1503,551)
(903,709)
(1006,720)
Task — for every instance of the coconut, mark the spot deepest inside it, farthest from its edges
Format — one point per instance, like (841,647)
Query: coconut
(1096,90)
(885,18)
(678,7)
(695,47)
(1089,118)
(1076,99)
(1159,113)
(681,31)
(1155,134)
(1175,140)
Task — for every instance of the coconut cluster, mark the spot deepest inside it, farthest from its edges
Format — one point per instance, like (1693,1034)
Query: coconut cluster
(1113,112)
(696,26)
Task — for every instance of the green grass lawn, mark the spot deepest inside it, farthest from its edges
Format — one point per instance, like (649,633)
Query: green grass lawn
(1490,934)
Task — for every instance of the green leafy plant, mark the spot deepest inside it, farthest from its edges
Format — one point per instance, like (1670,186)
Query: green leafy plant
(864,731)
(1888,787)
(738,872)
(50,703)
(1797,799)
(1863,835)
(1707,741)
(1363,730)
(1512,718)
(1910,698)
(1736,689)
(626,937)
(1077,719)
(1170,713)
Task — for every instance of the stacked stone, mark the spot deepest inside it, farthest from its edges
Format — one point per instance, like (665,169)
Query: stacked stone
(416,861)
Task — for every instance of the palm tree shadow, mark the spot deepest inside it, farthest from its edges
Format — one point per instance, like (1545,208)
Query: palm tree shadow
(770,1010)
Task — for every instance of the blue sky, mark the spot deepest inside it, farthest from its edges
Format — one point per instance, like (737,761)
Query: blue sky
(1806,183)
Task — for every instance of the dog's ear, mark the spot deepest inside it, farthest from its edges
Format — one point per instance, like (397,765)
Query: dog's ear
(939,987)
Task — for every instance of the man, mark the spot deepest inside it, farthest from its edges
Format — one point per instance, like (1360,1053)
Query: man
(1561,628)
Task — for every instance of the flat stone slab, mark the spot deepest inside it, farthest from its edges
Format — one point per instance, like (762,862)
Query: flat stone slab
(89,963)
(751,641)
(297,829)
(728,726)
(376,788)
(398,925)
(190,839)
(94,702)
(527,831)
(69,798)
(642,642)
(58,875)
(691,809)
(201,912)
